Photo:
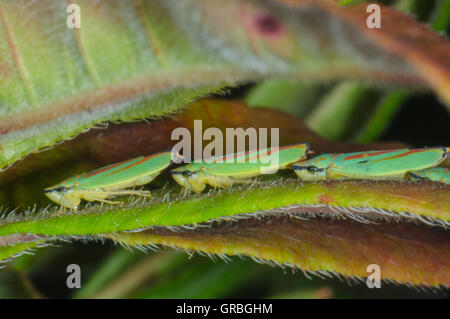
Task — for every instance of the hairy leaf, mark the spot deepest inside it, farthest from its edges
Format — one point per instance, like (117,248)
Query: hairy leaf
(149,58)
(325,247)
(284,200)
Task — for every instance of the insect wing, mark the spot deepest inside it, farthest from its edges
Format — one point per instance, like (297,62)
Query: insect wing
(386,163)
(256,162)
(123,172)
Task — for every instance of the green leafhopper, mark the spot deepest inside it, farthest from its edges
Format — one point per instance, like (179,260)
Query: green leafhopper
(221,172)
(109,181)
(389,164)
(436,174)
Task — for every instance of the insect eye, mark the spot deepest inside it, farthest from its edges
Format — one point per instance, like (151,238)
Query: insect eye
(57,189)
(186,173)
(313,169)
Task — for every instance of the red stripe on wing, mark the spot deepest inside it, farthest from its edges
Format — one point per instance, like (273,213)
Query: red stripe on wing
(363,155)
(409,152)
(104,169)
(142,160)
(224,158)
(269,152)
(405,154)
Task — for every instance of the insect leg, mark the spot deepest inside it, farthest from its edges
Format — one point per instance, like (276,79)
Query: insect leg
(129,192)
(220,181)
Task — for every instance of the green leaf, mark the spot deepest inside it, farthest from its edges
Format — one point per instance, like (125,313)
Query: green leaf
(288,95)
(361,201)
(201,280)
(441,19)
(147,59)
(340,110)
(15,250)
(386,109)
(114,264)
(324,246)
(146,269)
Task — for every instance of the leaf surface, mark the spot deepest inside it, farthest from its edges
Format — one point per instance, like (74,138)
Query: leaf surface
(147,59)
